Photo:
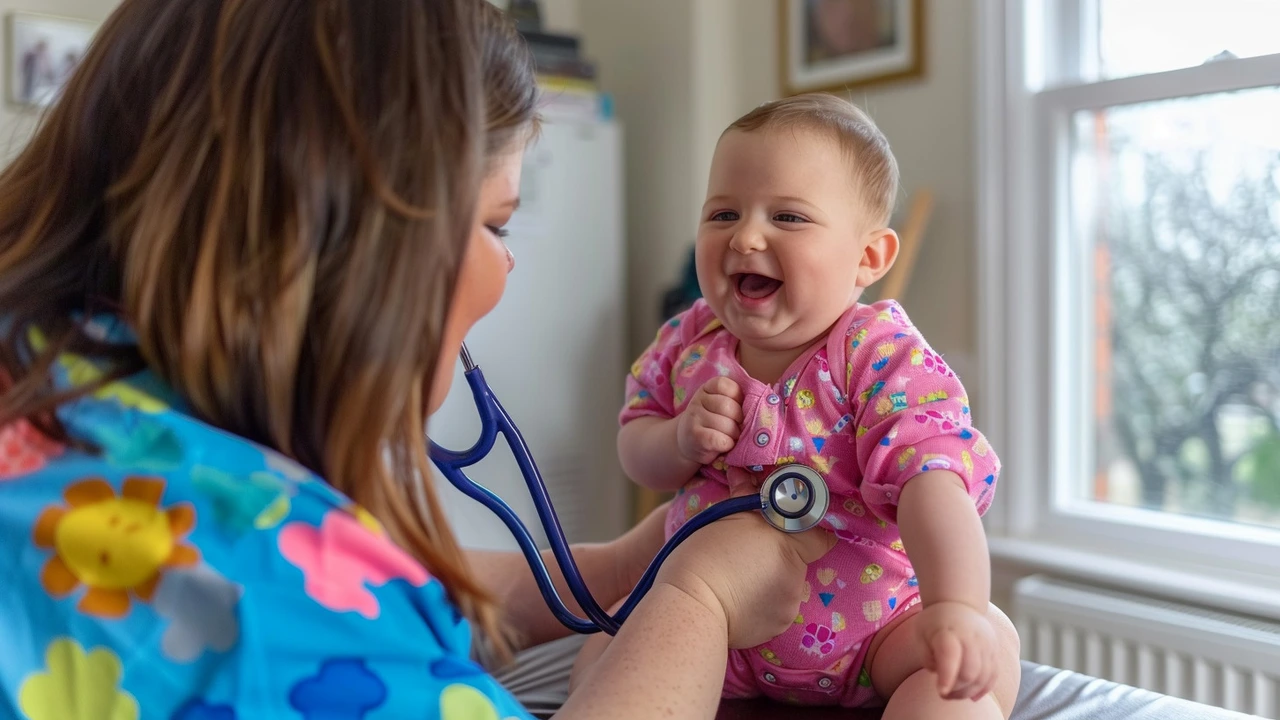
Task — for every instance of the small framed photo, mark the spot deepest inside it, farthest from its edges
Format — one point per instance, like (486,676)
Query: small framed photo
(43,51)
(833,45)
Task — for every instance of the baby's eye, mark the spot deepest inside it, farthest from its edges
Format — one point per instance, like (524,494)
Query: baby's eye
(789,218)
(724,216)
(500,233)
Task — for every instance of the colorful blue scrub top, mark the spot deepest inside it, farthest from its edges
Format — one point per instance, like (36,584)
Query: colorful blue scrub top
(187,574)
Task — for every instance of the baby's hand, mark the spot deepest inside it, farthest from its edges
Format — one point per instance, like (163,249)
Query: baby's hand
(711,422)
(961,647)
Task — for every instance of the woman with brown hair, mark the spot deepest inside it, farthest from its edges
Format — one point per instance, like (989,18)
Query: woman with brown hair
(236,263)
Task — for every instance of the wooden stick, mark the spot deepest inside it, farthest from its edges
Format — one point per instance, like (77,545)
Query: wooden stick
(894,283)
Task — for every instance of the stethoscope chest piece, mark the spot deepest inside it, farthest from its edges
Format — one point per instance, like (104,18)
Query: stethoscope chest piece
(794,498)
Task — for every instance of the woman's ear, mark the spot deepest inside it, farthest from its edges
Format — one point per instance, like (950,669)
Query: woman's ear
(878,253)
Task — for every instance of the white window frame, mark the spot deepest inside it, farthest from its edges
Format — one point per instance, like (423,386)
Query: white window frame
(1035,345)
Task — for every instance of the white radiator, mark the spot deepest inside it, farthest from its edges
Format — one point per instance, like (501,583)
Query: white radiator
(1210,657)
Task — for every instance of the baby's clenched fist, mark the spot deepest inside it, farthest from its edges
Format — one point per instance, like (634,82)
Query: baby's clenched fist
(712,421)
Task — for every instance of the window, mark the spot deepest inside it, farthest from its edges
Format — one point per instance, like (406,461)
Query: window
(1180,212)
(1132,194)
(1137,37)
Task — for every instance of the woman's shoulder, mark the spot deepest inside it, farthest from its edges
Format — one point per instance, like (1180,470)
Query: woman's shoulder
(155,492)
(176,550)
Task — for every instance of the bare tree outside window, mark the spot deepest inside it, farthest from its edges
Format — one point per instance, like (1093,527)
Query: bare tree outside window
(1188,285)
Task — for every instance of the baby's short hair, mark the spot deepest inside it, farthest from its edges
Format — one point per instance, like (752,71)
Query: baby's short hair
(874,167)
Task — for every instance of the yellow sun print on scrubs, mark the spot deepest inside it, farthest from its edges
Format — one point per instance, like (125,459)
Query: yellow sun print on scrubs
(116,546)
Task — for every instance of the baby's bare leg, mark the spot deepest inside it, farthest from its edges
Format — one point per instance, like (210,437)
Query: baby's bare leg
(917,698)
(897,672)
(591,651)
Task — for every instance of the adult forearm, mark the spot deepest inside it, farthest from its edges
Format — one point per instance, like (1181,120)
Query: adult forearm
(650,454)
(510,580)
(945,541)
(668,660)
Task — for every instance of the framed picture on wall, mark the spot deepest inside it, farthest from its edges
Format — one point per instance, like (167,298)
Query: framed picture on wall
(833,45)
(42,52)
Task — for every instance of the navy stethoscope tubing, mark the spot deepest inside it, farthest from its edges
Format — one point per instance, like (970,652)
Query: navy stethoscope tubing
(793,499)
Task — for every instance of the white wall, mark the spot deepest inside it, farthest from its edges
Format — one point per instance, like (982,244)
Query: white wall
(17,123)
(645,51)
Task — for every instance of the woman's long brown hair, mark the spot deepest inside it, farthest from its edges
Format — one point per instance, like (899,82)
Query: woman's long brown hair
(276,196)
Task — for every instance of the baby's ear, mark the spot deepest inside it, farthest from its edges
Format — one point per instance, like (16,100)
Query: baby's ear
(879,250)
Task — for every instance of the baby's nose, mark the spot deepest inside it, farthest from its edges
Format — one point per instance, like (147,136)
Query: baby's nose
(748,240)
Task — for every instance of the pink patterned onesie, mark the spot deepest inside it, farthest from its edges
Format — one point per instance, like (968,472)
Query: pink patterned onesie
(891,410)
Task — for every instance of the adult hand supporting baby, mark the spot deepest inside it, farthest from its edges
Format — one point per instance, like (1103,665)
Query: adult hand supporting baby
(635,550)
(735,583)
(610,569)
(750,570)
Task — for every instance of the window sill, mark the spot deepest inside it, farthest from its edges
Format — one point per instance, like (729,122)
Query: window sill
(1259,598)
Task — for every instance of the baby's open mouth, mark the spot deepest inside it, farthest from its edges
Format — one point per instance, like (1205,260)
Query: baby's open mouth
(757,287)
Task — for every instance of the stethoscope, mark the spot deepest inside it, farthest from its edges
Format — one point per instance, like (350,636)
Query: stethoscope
(793,498)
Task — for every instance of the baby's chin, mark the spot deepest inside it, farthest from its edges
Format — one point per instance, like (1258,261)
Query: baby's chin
(773,335)
(774,332)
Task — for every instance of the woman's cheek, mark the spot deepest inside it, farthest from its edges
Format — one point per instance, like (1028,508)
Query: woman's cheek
(481,282)
(496,267)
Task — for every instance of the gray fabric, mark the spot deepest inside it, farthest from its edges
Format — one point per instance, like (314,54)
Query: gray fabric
(540,677)
(1051,694)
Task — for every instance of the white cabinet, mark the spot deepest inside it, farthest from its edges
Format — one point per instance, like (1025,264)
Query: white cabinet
(554,349)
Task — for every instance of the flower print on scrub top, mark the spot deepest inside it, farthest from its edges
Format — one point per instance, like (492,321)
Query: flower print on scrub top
(116,546)
(345,554)
(24,450)
(77,685)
